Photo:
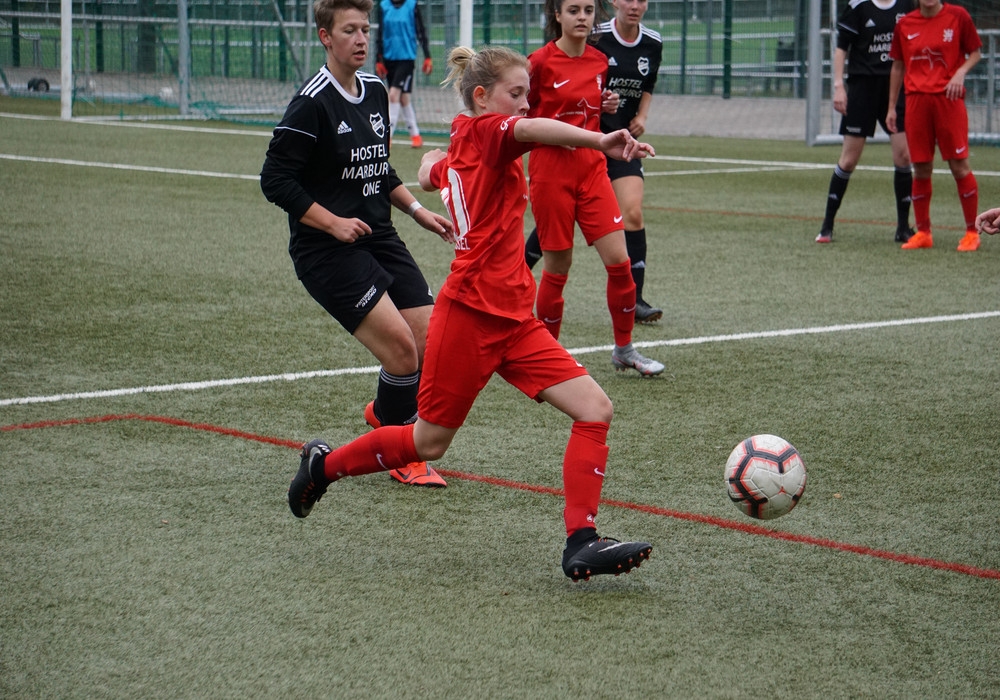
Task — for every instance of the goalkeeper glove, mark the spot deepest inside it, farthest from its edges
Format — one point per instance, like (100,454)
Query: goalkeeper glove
(428,66)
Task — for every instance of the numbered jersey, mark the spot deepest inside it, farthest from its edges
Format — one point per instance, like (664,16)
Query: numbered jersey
(632,70)
(332,148)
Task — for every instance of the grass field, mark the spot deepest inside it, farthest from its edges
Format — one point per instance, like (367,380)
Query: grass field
(160,363)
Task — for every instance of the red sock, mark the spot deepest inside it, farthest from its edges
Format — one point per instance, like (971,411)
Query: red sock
(621,301)
(583,474)
(388,447)
(550,302)
(968,194)
(921,200)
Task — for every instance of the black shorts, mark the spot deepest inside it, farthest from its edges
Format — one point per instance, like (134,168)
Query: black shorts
(350,282)
(621,168)
(400,75)
(867,104)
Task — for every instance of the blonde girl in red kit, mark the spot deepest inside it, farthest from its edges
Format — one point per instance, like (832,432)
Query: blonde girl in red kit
(482,323)
(568,83)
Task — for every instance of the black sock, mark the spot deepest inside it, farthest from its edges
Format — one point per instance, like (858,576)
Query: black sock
(902,183)
(635,245)
(580,538)
(532,249)
(838,185)
(396,398)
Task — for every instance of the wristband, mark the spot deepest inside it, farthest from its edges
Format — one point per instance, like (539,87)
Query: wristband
(415,207)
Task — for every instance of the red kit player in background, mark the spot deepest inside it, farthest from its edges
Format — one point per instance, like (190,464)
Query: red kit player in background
(482,323)
(568,83)
(933,49)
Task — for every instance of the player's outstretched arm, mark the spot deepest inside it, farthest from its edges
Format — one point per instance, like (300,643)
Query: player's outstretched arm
(618,144)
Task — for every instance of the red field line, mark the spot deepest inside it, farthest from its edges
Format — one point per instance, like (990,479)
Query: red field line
(743,527)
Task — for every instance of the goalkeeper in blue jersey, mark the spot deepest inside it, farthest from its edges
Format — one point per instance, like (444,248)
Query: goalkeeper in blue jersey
(400,28)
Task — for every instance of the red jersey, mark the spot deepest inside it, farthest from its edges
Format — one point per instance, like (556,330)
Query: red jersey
(483,186)
(568,88)
(933,48)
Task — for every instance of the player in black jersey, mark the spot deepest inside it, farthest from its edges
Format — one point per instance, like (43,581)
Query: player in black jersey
(864,36)
(328,166)
(634,53)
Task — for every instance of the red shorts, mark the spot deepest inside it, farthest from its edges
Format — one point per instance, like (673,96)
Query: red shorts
(567,187)
(934,119)
(465,347)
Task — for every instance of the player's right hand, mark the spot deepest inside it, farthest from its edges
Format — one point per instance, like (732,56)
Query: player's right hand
(349,230)
(381,70)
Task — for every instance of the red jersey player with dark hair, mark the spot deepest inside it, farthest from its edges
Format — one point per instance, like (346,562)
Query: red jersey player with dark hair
(482,323)
(568,83)
(933,49)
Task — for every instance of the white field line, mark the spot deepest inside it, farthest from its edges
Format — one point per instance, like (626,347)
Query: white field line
(296,376)
(744,166)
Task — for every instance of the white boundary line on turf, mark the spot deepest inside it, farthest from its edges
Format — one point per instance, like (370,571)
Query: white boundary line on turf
(295,376)
(123,166)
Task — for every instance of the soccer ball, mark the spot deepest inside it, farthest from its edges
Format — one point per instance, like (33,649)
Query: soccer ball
(765,476)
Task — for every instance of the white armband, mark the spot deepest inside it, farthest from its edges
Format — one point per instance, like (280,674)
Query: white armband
(415,207)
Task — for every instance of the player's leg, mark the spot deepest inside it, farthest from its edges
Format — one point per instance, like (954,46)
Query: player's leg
(410,117)
(850,154)
(953,140)
(596,211)
(920,140)
(550,302)
(542,369)
(396,398)
(629,190)
(553,202)
(902,181)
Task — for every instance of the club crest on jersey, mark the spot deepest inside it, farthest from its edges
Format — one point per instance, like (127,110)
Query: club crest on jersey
(378,124)
(643,66)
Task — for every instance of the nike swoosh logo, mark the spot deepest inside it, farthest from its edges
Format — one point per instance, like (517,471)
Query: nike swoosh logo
(628,311)
(613,546)
(598,472)
(618,219)
(913,36)
(378,456)
(559,85)
(959,150)
(551,320)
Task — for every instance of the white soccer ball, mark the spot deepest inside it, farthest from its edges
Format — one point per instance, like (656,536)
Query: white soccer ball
(765,476)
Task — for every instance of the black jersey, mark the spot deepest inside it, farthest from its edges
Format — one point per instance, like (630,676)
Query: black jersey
(632,69)
(333,149)
(864,31)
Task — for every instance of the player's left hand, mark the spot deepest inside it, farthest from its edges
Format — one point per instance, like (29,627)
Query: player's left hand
(621,145)
(988,221)
(428,66)
(955,89)
(610,101)
(637,127)
(435,223)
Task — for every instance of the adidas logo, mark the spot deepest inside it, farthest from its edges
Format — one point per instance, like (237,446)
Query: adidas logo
(612,61)
(343,128)
(870,23)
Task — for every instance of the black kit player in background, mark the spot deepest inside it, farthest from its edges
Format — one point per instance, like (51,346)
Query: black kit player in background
(328,166)
(634,54)
(864,36)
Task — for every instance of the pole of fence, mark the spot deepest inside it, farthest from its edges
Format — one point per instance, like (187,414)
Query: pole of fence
(66,53)
(814,84)
(727,49)
(183,58)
